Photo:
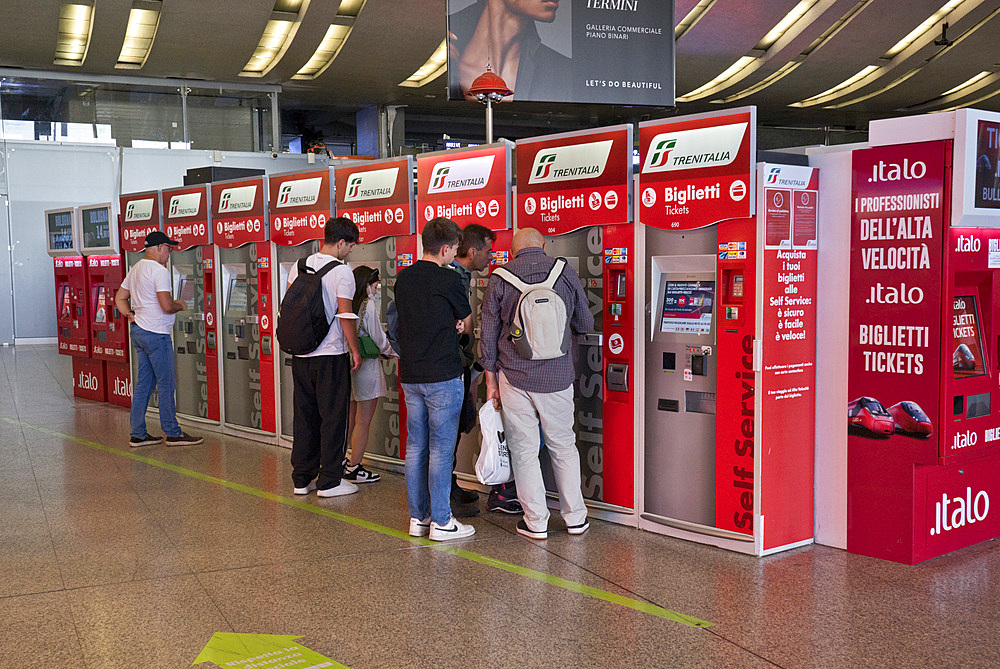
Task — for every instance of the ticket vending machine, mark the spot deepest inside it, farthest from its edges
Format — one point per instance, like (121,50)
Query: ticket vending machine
(108,340)
(139,215)
(728,330)
(378,196)
(72,309)
(300,204)
(923,462)
(249,369)
(108,327)
(576,189)
(193,265)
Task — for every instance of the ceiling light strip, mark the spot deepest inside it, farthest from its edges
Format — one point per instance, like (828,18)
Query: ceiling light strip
(76,23)
(326,52)
(278,35)
(929,24)
(692,18)
(435,66)
(139,36)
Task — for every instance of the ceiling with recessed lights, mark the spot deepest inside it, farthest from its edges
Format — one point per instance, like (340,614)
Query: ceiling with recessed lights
(802,62)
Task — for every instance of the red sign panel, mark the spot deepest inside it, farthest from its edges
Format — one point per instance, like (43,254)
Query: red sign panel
(300,206)
(572,180)
(186,216)
(697,170)
(466,185)
(238,212)
(377,196)
(140,215)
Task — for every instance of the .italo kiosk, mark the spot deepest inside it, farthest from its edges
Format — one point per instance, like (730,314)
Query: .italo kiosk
(299,205)
(239,214)
(378,196)
(470,185)
(108,328)
(923,461)
(576,189)
(193,263)
(728,248)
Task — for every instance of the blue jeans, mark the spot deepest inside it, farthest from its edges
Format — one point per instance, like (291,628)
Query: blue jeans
(154,356)
(432,411)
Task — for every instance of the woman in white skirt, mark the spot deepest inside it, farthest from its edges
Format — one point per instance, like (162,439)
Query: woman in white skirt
(367,382)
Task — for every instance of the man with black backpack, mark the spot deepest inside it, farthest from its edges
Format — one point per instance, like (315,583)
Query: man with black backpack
(322,375)
(532,306)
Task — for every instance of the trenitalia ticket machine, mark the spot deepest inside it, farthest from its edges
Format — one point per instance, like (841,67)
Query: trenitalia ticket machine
(247,307)
(923,462)
(72,308)
(139,215)
(728,287)
(300,205)
(378,196)
(576,189)
(193,270)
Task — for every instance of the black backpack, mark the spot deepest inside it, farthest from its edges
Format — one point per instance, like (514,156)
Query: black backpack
(302,324)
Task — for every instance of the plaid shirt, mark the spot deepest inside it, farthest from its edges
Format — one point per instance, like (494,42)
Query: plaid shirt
(531,265)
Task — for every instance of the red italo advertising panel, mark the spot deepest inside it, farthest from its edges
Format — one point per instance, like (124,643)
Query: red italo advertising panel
(377,195)
(239,212)
(140,215)
(571,180)
(694,171)
(300,204)
(466,185)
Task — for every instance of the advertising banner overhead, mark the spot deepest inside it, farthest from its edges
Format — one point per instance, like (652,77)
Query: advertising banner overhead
(186,216)
(238,212)
(595,51)
(140,215)
(698,170)
(574,179)
(466,185)
(300,204)
(377,195)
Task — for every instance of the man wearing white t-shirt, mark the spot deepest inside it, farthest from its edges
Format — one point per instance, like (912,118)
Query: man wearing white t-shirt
(322,379)
(146,300)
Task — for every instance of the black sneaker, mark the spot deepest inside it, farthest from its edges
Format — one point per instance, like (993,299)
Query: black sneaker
(136,442)
(184,440)
(523,529)
(498,502)
(462,497)
(358,474)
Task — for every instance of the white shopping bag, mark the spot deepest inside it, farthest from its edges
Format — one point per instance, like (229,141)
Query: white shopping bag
(493,465)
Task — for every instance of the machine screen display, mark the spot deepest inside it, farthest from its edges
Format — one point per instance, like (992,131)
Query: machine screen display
(687,307)
(236,301)
(60,230)
(65,311)
(96,227)
(185,289)
(100,308)
(967,339)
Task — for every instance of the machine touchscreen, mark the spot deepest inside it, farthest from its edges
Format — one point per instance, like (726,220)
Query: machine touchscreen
(687,307)
(236,297)
(100,308)
(65,310)
(967,338)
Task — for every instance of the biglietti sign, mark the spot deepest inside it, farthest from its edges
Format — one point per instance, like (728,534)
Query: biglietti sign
(466,185)
(140,215)
(377,195)
(300,206)
(186,216)
(239,212)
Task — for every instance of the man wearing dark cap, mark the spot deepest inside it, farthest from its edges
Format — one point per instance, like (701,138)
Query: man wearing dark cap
(146,300)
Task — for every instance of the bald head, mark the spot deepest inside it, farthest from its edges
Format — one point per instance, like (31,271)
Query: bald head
(526,238)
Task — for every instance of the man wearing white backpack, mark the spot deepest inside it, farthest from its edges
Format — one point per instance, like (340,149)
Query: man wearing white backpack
(532,306)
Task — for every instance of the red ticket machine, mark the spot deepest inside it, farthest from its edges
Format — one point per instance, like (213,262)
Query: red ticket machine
(576,189)
(378,196)
(72,309)
(923,462)
(108,327)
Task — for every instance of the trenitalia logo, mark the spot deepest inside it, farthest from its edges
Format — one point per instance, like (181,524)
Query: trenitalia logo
(237,199)
(701,147)
(373,185)
(459,175)
(300,193)
(182,206)
(139,210)
(566,163)
(772,175)
(789,176)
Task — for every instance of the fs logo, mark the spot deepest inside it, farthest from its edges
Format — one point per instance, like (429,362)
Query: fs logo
(772,175)
(286,190)
(543,164)
(440,174)
(567,163)
(661,152)
(353,186)
(130,211)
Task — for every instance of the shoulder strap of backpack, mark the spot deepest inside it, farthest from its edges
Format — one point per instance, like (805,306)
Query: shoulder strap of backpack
(327,267)
(554,274)
(511,278)
(304,268)
(550,280)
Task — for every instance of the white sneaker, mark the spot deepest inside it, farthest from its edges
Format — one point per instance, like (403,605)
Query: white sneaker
(305,491)
(452,530)
(420,528)
(345,488)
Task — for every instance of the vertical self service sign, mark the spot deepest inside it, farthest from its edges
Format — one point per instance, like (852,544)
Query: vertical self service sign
(466,185)
(575,179)
(695,170)
(376,195)
(140,215)
(300,204)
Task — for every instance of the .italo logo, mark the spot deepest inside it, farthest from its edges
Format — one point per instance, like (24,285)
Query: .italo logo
(905,171)
(372,185)
(462,174)
(576,161)
(964,511)
(237,199)
(139,210)
(701,147)
(88,381)
(299,193)
(181,206)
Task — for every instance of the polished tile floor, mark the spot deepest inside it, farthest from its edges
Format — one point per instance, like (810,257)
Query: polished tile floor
(108,560)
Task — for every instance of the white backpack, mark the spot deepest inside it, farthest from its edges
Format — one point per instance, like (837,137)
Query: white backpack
(540,330)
